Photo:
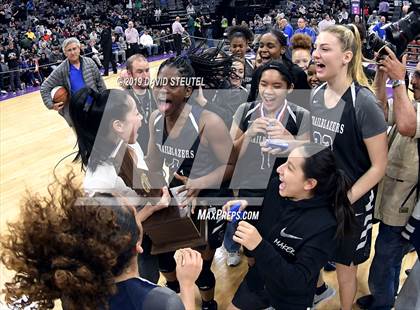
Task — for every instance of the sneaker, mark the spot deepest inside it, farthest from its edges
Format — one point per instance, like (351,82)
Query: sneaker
(330,266)
(209,305)
(326,294)
(233,259)
(365,302)
(3,92)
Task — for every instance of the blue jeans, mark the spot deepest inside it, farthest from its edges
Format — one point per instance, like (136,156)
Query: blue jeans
(209,34)
(230,245)
(384,273)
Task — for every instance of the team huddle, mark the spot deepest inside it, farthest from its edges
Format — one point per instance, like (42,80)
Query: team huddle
(301,147)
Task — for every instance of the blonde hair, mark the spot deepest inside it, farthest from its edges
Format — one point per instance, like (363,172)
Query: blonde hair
(349,38)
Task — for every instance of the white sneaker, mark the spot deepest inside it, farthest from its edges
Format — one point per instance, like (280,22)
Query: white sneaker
(325,295)
(233,259)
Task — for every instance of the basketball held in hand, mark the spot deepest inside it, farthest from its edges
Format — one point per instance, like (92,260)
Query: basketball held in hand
(59,94)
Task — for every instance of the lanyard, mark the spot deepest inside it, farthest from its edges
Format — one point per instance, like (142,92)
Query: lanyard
(144,107)
(280,114)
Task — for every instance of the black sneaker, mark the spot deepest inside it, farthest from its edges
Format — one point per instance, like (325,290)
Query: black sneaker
(365,302)
(330,266)
(209,305)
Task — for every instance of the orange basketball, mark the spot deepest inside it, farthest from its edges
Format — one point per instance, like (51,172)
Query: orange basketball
(59,94)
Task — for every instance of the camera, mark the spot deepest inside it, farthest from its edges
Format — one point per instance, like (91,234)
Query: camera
(398,34)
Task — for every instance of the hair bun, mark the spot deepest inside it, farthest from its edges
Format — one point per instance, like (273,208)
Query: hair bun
(301,41)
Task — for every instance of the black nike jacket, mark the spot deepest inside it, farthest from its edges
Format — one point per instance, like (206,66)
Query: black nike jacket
(298,240)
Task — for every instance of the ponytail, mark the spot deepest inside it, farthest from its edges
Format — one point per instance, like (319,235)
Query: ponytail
(342,207)
(332,182)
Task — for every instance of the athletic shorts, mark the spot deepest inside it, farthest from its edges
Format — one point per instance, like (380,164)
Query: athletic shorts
(355,249)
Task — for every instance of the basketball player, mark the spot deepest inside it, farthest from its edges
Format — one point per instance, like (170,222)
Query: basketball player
(195,145)
(346,117)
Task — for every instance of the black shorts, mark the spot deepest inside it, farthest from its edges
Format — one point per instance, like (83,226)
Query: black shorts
(355,249)
(251,294)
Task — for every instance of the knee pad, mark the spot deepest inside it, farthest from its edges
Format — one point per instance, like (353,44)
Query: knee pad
(206,279)
(167,262)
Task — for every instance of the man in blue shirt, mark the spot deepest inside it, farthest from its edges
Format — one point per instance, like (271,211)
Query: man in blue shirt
(302,28)
(73,73)
(287,29)
(378,28)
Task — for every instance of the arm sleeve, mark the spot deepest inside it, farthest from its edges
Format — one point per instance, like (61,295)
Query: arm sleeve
(310,260)
(162,298)
(53,80)
(369,114)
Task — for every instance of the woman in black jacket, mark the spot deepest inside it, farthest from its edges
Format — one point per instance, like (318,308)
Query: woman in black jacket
(304,212)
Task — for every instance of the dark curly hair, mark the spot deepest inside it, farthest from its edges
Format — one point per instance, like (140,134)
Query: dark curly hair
(240,32)
(68,247)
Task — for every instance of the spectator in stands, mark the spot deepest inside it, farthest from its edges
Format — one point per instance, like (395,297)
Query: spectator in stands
(12,56)
(158,14)
(44,68)
(147,41)
(373,19)
(177,31)
(92,52)
(383,8)
(287,29)
(106,45)
(378,28)
(117,50)
(30,34)
(132,38)
(208,23)
(302,28)
(190,9)
(191,29)
(74,73)
(2,91)
(326,22)
(343,16)
(267,21)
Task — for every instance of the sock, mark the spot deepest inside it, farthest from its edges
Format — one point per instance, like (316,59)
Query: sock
(321,289)
(173,285)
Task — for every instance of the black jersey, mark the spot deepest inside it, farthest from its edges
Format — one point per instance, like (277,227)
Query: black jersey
(356,117)
(184,154)
(145,105)
(255,168)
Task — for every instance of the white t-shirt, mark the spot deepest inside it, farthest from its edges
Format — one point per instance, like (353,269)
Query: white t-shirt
(105,179)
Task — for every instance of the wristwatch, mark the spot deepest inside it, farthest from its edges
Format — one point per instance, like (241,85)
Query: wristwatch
(396,83)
